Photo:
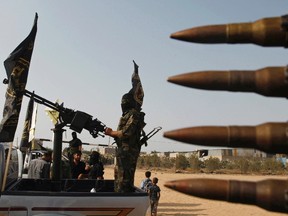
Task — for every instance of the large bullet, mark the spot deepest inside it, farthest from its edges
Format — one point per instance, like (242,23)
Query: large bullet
(268,32)
(268,137)
(270,194)
(269,81)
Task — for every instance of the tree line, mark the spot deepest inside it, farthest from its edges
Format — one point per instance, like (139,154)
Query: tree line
(194,164)
(239,165)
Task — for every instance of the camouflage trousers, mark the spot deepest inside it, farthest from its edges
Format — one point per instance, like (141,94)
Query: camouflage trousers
(125,170)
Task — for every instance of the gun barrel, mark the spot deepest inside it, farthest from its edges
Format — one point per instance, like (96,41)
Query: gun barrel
(268,137)
(269,81)
(269,194)
(268,32)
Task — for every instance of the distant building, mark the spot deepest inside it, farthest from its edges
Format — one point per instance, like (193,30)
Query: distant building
(221,154)
(163,154)
(232,154)
(107,150)
(175,154)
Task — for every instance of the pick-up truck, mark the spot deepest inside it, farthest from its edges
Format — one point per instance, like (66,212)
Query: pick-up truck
(23,196)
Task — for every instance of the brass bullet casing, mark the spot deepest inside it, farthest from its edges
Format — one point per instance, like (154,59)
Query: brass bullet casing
(269,137)
(267,32)
(269,194)
(269,81)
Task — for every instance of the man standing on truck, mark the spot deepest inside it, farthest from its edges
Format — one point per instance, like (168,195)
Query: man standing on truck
(127,135)
(75,145)
(40,167)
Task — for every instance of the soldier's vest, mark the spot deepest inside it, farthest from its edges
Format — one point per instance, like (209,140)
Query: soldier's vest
(133,141)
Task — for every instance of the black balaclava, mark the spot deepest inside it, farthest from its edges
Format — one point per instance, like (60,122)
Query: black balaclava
(127,102)
(134,98)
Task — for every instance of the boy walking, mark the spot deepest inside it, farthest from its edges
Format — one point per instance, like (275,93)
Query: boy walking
(154,193)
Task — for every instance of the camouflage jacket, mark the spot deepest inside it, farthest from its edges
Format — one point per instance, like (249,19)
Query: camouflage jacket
(131,125)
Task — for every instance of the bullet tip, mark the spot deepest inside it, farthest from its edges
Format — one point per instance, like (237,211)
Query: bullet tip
(202,34)
(173,36)
(171,79)
(166,134)
(178,36)
(169,184)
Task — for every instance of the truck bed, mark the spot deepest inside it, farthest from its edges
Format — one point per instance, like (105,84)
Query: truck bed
(71,197)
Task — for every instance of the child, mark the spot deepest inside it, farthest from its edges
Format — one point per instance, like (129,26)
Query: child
(154,193)
(146,183)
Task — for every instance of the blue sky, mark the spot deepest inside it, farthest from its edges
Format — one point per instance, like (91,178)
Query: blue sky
(84,51)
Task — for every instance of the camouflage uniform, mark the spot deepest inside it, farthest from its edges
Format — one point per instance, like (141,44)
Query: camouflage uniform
(130,127)
(129,146)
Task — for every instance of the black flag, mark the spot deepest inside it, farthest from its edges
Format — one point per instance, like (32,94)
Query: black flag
(24,144)
(17,67)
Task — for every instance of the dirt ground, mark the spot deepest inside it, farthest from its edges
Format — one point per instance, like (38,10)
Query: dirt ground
(176,203)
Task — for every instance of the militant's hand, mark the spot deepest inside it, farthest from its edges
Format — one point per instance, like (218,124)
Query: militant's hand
(108,131)
(135,67)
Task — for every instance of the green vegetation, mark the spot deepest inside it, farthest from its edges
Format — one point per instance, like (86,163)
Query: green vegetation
(193,164)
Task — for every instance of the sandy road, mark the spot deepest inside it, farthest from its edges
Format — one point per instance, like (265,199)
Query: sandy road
(175,203)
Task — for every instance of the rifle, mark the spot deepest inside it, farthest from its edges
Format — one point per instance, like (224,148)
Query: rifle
(145,137)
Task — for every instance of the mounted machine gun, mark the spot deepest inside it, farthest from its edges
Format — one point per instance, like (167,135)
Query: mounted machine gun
(76,120)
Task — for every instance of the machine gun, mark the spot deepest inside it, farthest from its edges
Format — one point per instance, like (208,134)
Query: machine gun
(76,120)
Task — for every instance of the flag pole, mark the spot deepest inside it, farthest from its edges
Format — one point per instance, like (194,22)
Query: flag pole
(7,166)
